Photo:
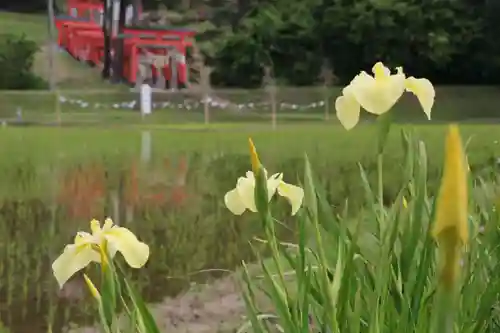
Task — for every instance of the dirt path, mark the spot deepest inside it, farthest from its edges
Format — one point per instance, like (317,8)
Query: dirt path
(214,308)
(218,307)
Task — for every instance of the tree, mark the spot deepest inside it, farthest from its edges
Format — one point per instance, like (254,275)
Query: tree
(106,30)
(278,34)
(119,43)
(448,41)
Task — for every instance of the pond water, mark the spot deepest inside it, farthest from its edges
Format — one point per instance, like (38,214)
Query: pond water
(173,203)
(172,199)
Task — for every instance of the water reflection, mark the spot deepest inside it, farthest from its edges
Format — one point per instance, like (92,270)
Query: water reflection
(172,203)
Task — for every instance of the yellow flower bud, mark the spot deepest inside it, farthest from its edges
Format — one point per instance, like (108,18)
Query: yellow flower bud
(451,229)
(451,211)
(93,290)
(254,157)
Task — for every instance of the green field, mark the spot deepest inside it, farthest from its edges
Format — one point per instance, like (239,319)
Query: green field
(55,179)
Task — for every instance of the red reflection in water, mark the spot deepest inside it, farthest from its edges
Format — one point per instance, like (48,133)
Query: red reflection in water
(83,189)
(178,194)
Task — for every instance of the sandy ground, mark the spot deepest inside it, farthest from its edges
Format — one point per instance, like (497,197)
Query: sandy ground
(213,308)
(218,307)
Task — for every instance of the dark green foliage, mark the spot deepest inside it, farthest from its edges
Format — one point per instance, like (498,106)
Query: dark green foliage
(448,41)
(16,62)
(26,6)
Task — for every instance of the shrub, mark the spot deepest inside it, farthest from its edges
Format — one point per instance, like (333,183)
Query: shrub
(16,62)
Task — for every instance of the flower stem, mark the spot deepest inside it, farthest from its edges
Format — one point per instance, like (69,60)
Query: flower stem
(445,311)
(380,183)
(271,237)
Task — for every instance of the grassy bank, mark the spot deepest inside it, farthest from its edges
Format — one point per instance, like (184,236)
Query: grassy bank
(120,105)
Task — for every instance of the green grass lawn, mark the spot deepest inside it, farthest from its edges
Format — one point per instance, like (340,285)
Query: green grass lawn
(477,104)
(329,140)
(34,26)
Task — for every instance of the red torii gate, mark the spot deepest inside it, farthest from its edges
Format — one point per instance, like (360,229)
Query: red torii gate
(133,45)
(158,39)
(81,32)
(84,8)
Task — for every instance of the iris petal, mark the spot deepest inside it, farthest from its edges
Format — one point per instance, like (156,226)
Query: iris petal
(424,90)
(293,194)
(73,259)
(348,110)
(134,252)
(272,184)
(234,203)
(246,191)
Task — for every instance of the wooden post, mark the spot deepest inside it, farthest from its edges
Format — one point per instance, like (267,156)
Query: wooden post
(202,80)
(273,106)
(106,31)
(205,88)
(187,83)
(197,64)
(327,77)
(57,107)
(136,5)
(119,43)
(115,206)
(174,76)
(270,86)
(159,62)
(52,34)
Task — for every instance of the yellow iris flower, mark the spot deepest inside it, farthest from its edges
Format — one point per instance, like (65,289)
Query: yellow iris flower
(377,94)
(87,248)
(451,228)
(242,197)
